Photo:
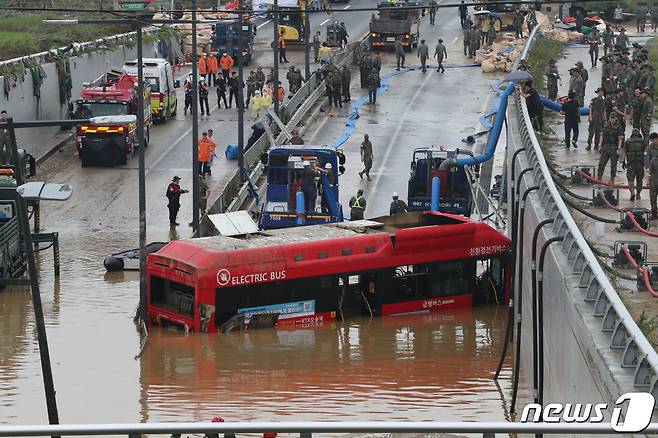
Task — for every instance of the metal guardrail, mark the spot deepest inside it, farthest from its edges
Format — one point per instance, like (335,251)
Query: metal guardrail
(485,428)
(234,192)
(633,350)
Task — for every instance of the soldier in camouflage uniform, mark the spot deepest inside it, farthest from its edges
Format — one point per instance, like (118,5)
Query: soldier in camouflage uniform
(552,78)
(585,76)
(596,119)
(467,40)
(636,108)
(633,155)
(608,39)
(652,168)
(576,85)
(646,114)
(611,141)
(474,44)
(365,65)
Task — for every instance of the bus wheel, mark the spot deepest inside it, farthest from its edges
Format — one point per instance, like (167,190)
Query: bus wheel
(147,137)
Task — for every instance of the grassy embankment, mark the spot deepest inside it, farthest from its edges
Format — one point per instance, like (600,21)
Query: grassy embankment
(544,50)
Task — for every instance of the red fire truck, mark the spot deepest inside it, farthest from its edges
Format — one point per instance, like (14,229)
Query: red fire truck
(112,143)
(419,262)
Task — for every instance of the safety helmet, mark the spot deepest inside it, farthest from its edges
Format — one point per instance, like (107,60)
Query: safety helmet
(395,195)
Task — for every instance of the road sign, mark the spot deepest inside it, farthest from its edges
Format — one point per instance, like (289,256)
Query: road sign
(137,5)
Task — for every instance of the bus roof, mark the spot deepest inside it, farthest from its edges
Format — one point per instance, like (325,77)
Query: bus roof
(409,233)
(302,147)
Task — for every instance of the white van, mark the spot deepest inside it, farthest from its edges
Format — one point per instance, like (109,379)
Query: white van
(158,73)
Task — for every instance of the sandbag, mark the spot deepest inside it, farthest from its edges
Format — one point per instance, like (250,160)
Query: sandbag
(488,66)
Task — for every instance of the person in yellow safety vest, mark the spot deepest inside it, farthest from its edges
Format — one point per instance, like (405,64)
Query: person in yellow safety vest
(357,206)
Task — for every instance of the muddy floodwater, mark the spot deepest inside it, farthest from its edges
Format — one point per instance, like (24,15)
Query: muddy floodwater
(421,367)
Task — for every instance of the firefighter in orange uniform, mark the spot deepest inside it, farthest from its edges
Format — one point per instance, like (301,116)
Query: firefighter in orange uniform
(204,155)
(226,62)
(203,65)
(212,70)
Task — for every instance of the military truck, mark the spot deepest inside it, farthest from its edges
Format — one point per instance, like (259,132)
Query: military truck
(395,20)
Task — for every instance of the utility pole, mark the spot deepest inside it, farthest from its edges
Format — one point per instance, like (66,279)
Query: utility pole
(42,338)
(142,174)
(307,45)
(240,97)
(275,73)
(195,125)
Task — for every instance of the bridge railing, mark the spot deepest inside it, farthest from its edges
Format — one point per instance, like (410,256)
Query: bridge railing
(486,429)
(631,349)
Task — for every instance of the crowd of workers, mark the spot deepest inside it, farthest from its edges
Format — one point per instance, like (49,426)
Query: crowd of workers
(625,97)
(219,72)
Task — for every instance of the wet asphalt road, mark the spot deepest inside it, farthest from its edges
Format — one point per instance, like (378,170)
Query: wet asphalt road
(88,312)
(418,110)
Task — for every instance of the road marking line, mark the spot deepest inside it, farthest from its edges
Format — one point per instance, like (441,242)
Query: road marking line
(325,21)
(401,123)
(347,7)
(455,40)
(164,154)
(263,24)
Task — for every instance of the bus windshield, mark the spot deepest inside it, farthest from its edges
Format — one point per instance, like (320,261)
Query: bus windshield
(99,109)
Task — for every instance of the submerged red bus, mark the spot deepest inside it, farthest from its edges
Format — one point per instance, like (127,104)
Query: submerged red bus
(411,263)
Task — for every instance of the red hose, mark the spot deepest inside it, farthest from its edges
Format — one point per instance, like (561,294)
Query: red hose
(590,178)
(643,271)
(647,282)
(606,202)
(629,257)
(637,226)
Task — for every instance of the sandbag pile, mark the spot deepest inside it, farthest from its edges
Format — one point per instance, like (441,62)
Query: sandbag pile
(204,31)
(499,56)
(555,33)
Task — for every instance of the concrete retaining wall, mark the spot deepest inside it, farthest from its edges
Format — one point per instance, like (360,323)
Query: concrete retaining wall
(23,105)
(579,365)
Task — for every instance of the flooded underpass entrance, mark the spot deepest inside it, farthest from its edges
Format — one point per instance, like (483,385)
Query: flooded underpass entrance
(408,368)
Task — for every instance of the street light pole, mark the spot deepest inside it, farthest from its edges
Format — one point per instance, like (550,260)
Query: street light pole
(195,125)
(142,174)
(275,73)
(240,98)
(307,45)
(42,338)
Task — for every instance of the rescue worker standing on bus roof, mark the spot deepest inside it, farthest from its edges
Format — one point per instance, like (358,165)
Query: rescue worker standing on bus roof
(632,158)
(398,206)
(173,195)
(309,188)
(366,157)
(357,206)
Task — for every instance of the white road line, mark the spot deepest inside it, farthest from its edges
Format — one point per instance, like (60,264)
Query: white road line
(347,7)
(164,154)
(325,21)
(455,40)
(263,24)
(401,124)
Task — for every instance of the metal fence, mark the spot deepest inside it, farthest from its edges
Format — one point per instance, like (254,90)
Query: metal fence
(235,192)
(629,346)
(487,429)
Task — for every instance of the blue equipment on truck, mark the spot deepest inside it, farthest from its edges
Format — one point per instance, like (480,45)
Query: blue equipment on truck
(455,197)
(284,166)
